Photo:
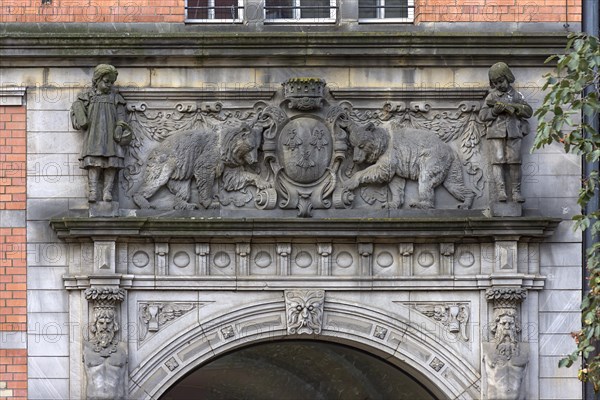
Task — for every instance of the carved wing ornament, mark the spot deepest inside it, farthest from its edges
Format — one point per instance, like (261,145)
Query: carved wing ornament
(303,150)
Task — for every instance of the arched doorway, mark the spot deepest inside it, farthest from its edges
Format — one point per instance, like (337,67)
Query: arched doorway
(298,370)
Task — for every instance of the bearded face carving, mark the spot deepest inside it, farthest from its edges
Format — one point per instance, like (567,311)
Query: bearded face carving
(304,311)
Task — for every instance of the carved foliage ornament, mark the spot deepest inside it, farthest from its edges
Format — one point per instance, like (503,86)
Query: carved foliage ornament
(303,150)
(304,309)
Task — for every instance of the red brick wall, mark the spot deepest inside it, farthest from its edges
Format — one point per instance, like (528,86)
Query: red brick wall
(13,374)
(173,11)
(497,11)
(13,259)
(92,11)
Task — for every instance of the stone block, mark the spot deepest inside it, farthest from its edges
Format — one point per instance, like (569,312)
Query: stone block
(47,389)
(549,369)
(537,164)
(506,209)
(55,142)
(104,209)
(43,121)
(562,277)
(560,300)
(557,254)
(44,209)
(48,166)
(546,186)
(204,78)
(48,323)
(272,78)
(48,367)
(562,207)
(50,345)
(47,254)
(47,301)
(63,186)
(434,77)
(54,98)
(565,233)
(21,77)
(382,77)
(45,277)
(471,78)
(12,219)
(560,389)
(556,344)
(13,340)
(559,322)
(40,232)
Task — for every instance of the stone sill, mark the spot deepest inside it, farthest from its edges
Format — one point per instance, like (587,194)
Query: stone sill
(408,229)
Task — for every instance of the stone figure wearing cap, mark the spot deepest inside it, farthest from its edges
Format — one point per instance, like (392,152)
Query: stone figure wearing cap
(100,112)
(505,112)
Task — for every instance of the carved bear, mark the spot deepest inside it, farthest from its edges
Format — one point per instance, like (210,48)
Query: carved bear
(407,154)
(204,155)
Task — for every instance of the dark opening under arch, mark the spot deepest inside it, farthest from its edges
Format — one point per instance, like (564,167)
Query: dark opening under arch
(298,370)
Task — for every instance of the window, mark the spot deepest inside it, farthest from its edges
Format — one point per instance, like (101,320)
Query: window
(311,11)
(386,10)
(214,11)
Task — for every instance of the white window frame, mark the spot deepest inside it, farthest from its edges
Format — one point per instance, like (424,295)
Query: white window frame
(381,19)
(211,15)
(297,12)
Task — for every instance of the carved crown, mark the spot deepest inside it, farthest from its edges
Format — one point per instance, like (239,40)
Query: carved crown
(303,87)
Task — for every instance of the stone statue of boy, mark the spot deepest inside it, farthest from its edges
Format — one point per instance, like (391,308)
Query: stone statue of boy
(100,112)
(505,111)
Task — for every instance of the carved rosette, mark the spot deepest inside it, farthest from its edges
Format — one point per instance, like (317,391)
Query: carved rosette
(304,309)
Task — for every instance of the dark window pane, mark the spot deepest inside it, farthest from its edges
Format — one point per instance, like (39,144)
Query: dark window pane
(367,12)
(279,13)
(396,9)
(229,10)
(197,13)
(315,9)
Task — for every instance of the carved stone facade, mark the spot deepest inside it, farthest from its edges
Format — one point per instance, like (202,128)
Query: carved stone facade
(346,196)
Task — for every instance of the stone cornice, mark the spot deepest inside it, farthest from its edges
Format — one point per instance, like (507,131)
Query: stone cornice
(12,96)
(141,48)
(358,229)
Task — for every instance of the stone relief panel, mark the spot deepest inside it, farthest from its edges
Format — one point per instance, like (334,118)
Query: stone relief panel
(454,316)
(153,316)
(302,151)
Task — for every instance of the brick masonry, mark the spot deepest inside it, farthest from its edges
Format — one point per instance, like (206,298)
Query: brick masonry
(127,11)
(13,258)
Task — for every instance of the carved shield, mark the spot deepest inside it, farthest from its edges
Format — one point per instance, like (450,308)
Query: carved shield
(305,145)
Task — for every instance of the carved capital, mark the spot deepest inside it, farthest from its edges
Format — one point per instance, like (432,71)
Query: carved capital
(506,297)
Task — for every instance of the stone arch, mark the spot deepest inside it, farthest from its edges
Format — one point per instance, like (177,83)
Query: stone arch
(417,351)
